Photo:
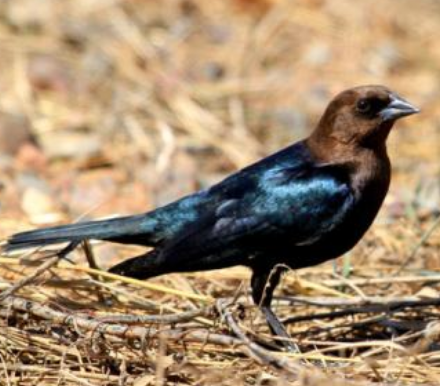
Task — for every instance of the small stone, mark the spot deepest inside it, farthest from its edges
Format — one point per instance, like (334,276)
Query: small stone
(15,131)
(46,72)
(31,157)
(70,144)
(428,293)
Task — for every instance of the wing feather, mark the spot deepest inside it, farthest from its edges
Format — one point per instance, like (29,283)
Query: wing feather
(303,206)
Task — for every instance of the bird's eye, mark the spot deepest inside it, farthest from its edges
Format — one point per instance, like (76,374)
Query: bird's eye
(371,106)
(364,106)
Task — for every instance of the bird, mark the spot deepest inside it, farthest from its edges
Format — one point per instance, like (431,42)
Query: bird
(303,205)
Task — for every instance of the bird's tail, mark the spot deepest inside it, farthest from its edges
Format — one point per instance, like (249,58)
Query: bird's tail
(143,266)
(117,229)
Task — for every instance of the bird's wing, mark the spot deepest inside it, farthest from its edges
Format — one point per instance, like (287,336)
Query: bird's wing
(300,203)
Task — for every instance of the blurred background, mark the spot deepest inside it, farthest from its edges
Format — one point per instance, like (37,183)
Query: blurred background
(114,107)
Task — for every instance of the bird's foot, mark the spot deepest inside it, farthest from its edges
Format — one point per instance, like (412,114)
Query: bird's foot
(279,330)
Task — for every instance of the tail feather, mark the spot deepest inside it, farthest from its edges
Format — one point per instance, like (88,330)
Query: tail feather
(112,229)
(143,266)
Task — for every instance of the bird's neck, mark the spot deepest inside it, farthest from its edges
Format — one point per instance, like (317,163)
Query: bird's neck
(369,166)
(330,150)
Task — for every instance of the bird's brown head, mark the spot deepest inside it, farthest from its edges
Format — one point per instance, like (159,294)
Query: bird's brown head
(361,117)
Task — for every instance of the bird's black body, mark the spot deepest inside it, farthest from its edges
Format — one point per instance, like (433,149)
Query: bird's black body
(303,205)
(285,209)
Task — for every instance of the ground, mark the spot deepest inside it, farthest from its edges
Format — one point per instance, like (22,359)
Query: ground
(115,107)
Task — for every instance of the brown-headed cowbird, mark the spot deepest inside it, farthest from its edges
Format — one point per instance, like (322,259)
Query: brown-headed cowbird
(301,206)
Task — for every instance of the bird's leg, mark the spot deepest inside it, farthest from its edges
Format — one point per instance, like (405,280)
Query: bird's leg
(263,285)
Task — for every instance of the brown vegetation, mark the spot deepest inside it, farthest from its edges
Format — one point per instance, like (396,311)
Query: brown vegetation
(114,107)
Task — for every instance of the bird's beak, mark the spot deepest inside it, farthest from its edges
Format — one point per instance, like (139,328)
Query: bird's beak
(397,108)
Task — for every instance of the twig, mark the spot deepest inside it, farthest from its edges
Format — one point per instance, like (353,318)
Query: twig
(321,301)
(126,332)
(154,319)
(90,256)
(389,308)
(434,278)
(257,352)
(40,270)
(141,284)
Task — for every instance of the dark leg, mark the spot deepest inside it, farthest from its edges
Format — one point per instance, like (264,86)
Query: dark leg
(263,284)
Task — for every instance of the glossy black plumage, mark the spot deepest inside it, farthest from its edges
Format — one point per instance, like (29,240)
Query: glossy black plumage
(303,205)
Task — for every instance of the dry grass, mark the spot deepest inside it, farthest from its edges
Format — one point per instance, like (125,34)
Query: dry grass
(156,99)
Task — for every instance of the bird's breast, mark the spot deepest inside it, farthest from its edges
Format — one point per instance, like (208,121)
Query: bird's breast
(370,187)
